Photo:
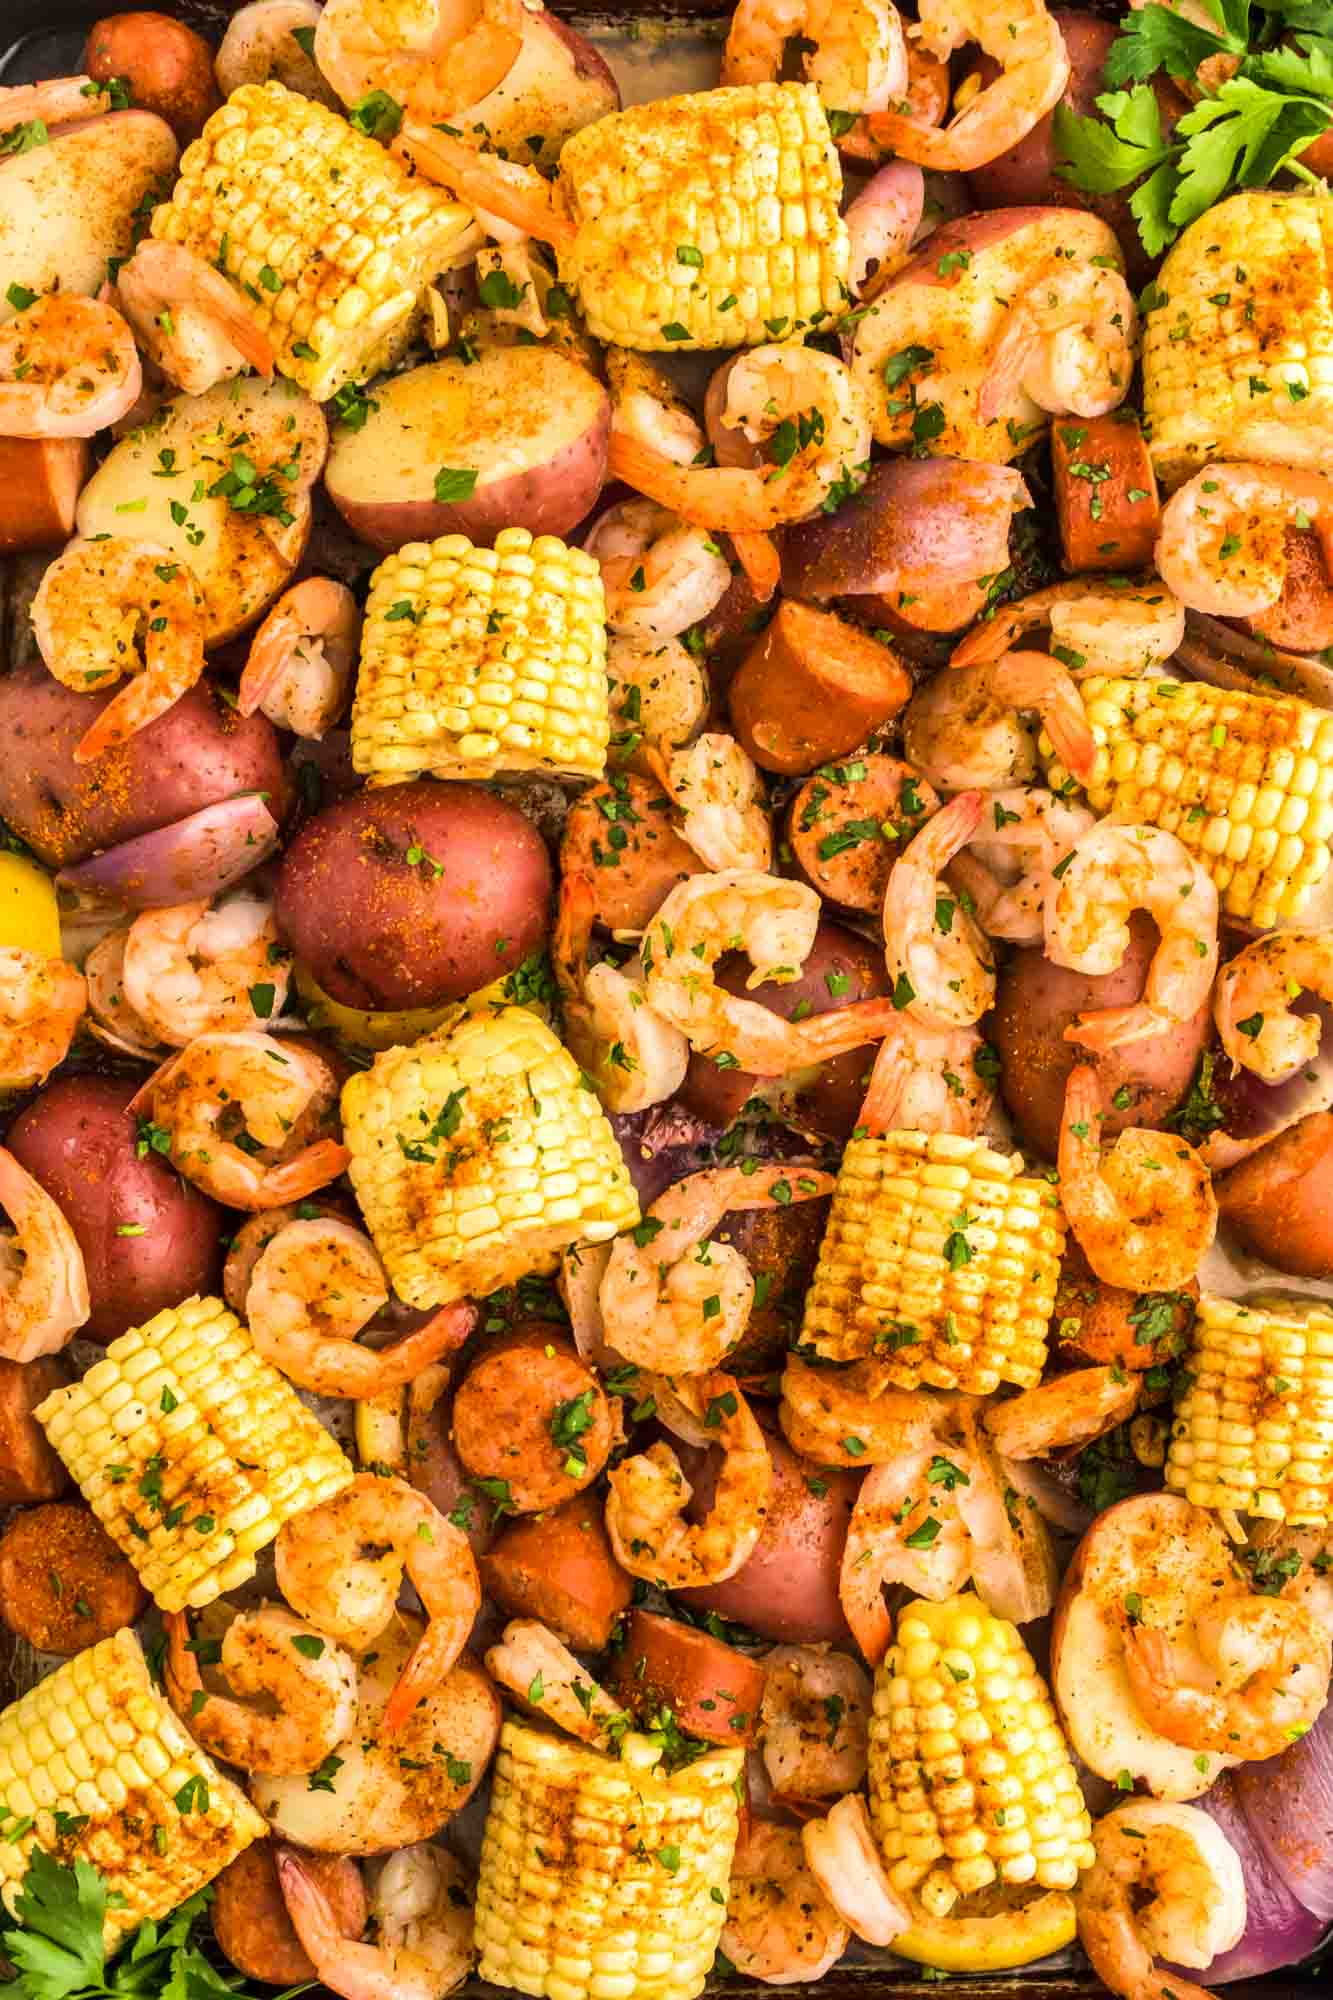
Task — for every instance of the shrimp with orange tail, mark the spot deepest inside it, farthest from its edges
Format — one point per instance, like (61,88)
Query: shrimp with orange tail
(1068,345)
(1026,43)
(1144,1212)
(937,957)
(302,660)
(189,319)
(1166,1883)
(1248,1678)
(265,1652)
(43,1284)
(962,729)
(929,1079)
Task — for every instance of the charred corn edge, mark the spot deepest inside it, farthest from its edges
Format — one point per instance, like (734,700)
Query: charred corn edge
(96,1741)
(601,1876)
(329,240)
(191,1450)
(1245,781)
(475,660)
(745,181)
(1253,1432)
(527,1164)
(939,1301)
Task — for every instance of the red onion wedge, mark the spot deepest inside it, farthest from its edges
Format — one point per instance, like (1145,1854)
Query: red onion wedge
(197,856)
(1288,1801)
(1279,1931)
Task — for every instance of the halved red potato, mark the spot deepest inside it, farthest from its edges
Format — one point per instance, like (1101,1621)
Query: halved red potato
(68,206)
(938,320)
(559,84)
(147,487)
(524,430)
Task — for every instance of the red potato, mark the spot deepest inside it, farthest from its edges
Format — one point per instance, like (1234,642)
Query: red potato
(730,629)
(30,1468)
(250,1920)
(68,206)
(148,1237)
(811,688)
(1036,1001)
(530,1414)
(713,1690)
(1105,492)
(847,825)
(532,426)
(40,480)
(1096,1322)
(169,69)
(64,1584)
(377,929)
(631,878)
(919,526)
(1302,619)
(558,1567)
(1279,1202)
(559,84)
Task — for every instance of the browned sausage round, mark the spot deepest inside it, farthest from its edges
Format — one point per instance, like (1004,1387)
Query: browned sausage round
(781,1247)
(620,836)
(434,1467)
(558,1567)
(250,1920)
(1279,1201)
(40,480)
(945,607)
(169,69)
(1302,619)
(1097,1322)
(1105,492)
(812,688)
(847,825)
(712,1690)
(63,1582)
(30,1468)
(530,1415)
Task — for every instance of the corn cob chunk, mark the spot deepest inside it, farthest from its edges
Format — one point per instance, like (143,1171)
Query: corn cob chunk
(477,1155)
(1253,1432)
(1244,780)
(330,240)
(95,1766)
(942,1259)
(707,221)
(600,1876)
(1238,354)
(478,660)
(191,1450)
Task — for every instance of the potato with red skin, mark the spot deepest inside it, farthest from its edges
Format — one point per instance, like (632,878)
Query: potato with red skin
(619,834)
(30,1467)
(559,1567)
(781,1247)
(1302,619)
(148,1237)
(414,894)
(1096,1322)
(1036,1001)
(713,1690)
(64,1584)
(1279,1202)
(169,69)
(249,1916)
(530,1413)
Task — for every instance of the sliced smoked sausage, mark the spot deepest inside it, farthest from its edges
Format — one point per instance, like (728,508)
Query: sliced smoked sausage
(1105,492)
(532,1416)
(847,825)
(29,1467)
(620,836)
(558,1567)
(63,1582)
(812,688)
(713,1690)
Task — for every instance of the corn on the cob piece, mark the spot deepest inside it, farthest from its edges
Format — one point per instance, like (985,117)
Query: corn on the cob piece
(1244,780)
(1253,1432)
(331,241)
(604,1878)
(707,221)
(478,660)
(1238,351)
(972,1788)
(95,1766)
(942,1259)
(191,1450)
(478,1154)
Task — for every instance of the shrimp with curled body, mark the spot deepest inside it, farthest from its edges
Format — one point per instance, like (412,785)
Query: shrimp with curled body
(261,43)
(1097,626)
(937,957)
(814,1722)
(882,223)
(854,51)
(1144,1212)
(1252,1002)
(635,1058)
(266,1652)
(645,1508)
(1068,344)
(1222,543)
(42,1001)
(68,368)
(43,1284)
(200,968)
(660,573)
(1025,41)
(421,1904)
(1066,1412)
(111,1018)
(721,798)
(56,100)
(302,660)
(843,1855)
(780,1928)
(929,1079)
(961,729)
(190,319)
(1248,1678)
(529,1651)
(822,1408)
(1166,1883)
(433,57)
(1008,867)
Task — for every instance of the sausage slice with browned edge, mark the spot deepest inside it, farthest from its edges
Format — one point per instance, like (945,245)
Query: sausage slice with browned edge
(812,688)
(530,1417)
(1105,492)
(620,836)
(558,1567)
(63,1582)
(712,1689)
(40,480)
(250,1920)
(29,1467)
(847,825)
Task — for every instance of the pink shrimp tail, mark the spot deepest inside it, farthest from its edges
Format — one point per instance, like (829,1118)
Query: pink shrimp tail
(427,1664)
(269,653)
(443,1333)
(953,825)
(1115,1027)
(758,557)
(308,1907)
(312,1168)
(516,194)
(1075,744)
(1003,378)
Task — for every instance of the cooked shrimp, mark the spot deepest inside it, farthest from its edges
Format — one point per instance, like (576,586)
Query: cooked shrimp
(853,1415)
(937,957)
(302,660)
(780,1926)
(1250,1677)
(435,58)
(1166,1883)
(43,1285)
(58,100)
(42,1001)
(1007,868)
(882,223)
(203,968)
(313,1289)
(1068,344)
(1144,1213)
(1113,871)
(961,729)
(252,1238)
(843,1855)
(774,923)
(1252,1002)
(1034,69)
(113,607)
(245,1085)
(927,1079)
(658,691)
(504,189)
(311,1682)
(721,796)
(111,1018)
(530,1653)
(645,1508)
(660,574)
(68,368)
(853,50)
(422,1908)
(1097,626)
(340,1564)
(1068,1411)
(905,1530)
(1222,545)
(191,320)
(634,1057)
(676,1301)
(814,1722)
(274,39)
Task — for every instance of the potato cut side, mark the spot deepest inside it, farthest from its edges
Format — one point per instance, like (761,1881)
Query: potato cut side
(70,205)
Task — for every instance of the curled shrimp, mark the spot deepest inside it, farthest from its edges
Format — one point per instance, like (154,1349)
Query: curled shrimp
(1068,344)
(854,51)
(223,1088)
(1222,543)
(1113,871)
(314,1287)
(1034,68)
(299,669)
(43,1284)
(929,1079)
(57,100)
(111,1018)
(341,1564)
(882,223)
(113,607)
(68,368)
(202,968)
(722,801)
(1252,1003)
(421,1905)
(678,1302)
(1143,1213)
(190,319)
(781,1927)
(1068,1411)
(1166,1883)
(433,58)
(42,1001)
(961,729)
(1248,1678)
(814,1722)
(266,1652)
(634,1057)
(1007,868)
(530,1652)
(1101,627)
(645,1508)
(261,42)
(853,1416)
(660,573)
(658,693)
(843,1855)
(936,955)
